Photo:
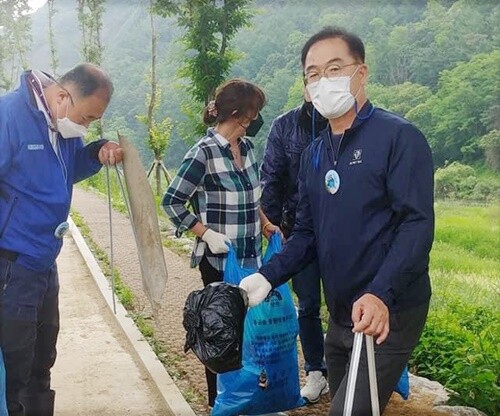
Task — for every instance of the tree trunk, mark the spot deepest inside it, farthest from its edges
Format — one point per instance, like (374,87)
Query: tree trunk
(158,177)
(52,45)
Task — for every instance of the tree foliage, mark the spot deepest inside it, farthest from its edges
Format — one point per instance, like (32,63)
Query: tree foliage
(490,143)
(53,50)
(464,108)
(90,14)
(209,26)
(400,98)
(415,50)
(15,40)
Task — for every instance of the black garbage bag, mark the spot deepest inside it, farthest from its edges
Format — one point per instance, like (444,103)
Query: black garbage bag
(214,319)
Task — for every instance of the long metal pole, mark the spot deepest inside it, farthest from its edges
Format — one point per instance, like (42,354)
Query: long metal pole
(372,375)
(111,239)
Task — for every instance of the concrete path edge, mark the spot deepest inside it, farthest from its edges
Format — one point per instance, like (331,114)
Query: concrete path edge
(164,383)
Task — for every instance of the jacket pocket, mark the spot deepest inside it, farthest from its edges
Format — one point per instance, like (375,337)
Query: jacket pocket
(8,213)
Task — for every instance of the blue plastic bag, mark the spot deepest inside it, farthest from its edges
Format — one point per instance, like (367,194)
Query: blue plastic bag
(269,379)
(3,389)
(403,386)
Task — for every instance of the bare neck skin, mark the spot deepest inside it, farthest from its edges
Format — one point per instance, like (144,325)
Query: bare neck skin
(230,130)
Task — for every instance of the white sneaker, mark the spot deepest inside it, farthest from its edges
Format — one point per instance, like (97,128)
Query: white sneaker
(315,386)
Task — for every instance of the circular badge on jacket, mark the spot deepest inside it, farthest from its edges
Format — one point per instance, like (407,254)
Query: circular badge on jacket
(332,181)
(61,229)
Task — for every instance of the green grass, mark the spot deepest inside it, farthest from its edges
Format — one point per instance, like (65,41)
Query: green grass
(451,258)
(475,229)
(123,293)
(465,258)
(459,346)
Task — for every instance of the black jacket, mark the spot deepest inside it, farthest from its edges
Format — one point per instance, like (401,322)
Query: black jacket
(290,134)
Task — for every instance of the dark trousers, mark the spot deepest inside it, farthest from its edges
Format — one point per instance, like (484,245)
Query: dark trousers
(390,359)
(307,287)
(209,274)
(29,324)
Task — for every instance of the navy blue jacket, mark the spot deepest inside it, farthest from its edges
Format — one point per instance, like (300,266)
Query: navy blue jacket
(375,234)
(35,184)
(290,134)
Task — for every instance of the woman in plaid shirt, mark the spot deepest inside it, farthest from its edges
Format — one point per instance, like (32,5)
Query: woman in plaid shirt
(219,177)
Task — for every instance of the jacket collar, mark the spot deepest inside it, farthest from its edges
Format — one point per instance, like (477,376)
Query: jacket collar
(362,115)
(221,140)
(306,119)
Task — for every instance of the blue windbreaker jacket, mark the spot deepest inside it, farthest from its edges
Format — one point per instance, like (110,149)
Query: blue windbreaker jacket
(375,234)
(35,184)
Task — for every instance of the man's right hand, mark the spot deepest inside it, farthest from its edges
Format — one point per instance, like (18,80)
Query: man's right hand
(370,315)
(217,242)
(257,288)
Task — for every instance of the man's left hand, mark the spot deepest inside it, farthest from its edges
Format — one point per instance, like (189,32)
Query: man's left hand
(371,316)
(110,153)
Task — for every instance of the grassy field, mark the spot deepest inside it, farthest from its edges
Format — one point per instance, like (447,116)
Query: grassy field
(465,259)
(459,347)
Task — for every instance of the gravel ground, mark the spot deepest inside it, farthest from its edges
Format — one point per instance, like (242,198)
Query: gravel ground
(185,369)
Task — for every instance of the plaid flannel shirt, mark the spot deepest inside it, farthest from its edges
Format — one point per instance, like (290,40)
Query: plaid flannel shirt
(224,198)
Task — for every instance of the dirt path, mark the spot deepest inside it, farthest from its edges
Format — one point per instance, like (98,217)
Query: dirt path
(168,326)
(94,354)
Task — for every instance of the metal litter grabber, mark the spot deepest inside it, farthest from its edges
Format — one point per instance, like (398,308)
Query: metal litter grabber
(353,374)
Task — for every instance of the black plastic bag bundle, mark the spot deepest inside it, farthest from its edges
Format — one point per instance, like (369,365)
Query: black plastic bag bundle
(214,319)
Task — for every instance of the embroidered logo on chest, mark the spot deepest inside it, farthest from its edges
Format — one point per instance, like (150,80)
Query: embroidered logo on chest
(356,157)
(35,147)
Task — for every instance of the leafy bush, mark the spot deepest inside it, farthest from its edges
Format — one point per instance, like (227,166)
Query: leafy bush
(454,181)
(459,348)
(459,181)
(486,189)
(490,143)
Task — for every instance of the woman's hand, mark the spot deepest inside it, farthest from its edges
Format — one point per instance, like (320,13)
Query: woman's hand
(268,229)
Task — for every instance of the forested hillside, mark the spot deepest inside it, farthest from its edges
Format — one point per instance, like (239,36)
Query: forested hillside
(435,62)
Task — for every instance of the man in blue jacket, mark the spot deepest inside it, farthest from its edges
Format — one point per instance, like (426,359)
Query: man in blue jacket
(366,209)
(290,134)
(42,155)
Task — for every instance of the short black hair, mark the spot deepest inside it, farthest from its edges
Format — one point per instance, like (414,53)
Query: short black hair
(354,43)
(88,79)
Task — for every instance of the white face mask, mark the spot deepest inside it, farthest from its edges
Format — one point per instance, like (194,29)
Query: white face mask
(68,128)
(332,96)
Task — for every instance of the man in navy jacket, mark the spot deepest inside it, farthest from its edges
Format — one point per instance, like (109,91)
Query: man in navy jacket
(290,134)
(366,209)
(42,155)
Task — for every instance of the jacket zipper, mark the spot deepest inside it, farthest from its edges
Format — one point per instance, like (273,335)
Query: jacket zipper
(336,155)
(7,219)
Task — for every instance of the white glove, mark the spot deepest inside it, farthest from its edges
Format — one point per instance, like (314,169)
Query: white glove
(257,288)
(217,242)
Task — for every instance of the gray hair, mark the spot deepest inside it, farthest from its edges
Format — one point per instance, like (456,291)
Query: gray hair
(88,79)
